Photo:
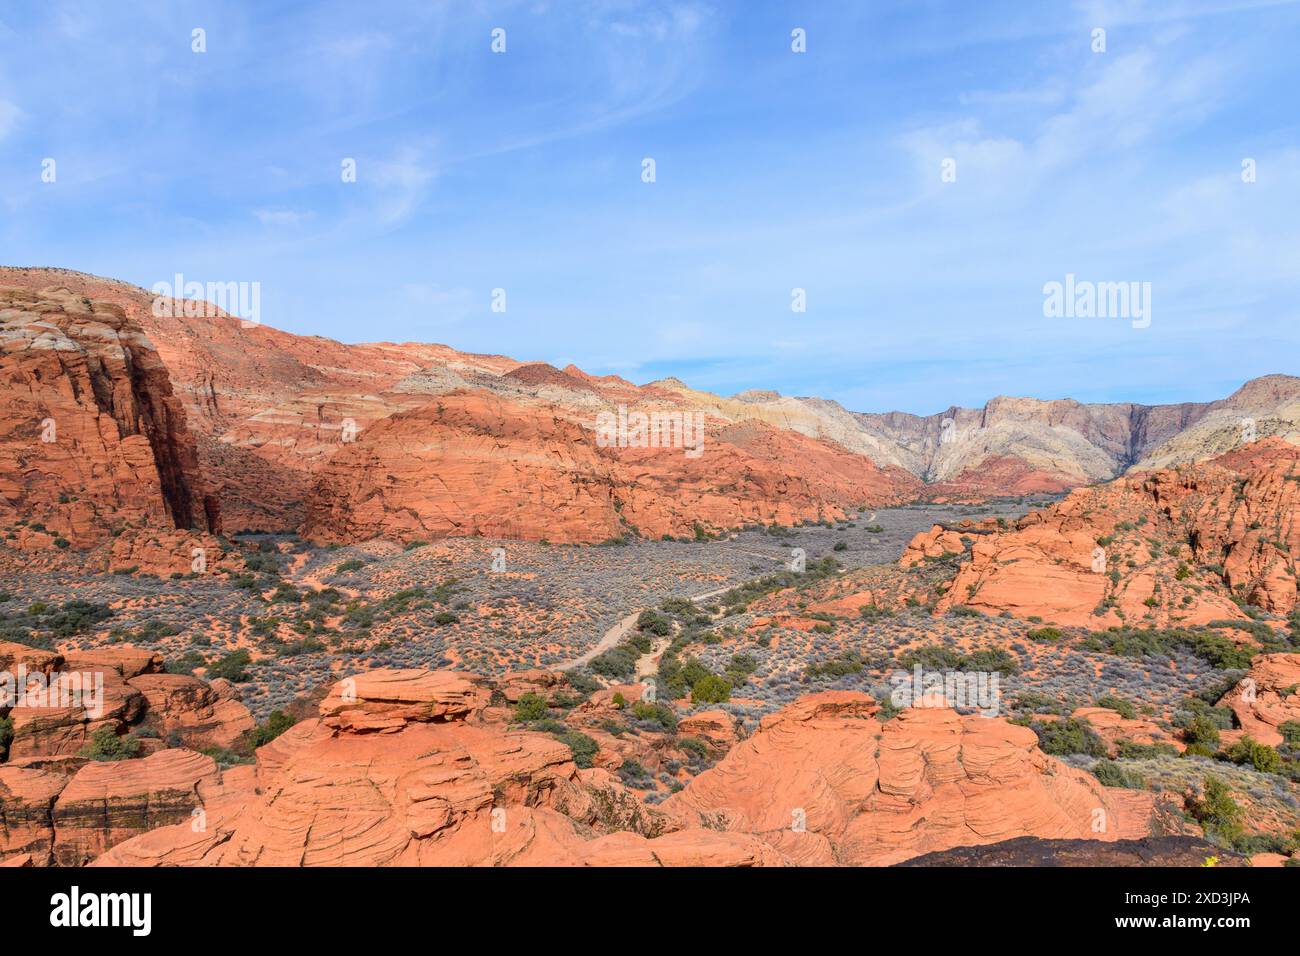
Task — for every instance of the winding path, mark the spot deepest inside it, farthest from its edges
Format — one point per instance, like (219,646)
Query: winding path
(620,631)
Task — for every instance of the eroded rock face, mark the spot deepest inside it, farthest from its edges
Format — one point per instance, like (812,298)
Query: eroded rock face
(476,464)
(69,813)
(824,782)
(1267,697)
(91,436)
(132,696)
(1165,548)
(438,779)
(402,770)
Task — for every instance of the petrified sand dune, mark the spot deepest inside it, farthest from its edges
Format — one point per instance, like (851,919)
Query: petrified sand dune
(826,783)
(1267,697)
(413,768)
(1127,550)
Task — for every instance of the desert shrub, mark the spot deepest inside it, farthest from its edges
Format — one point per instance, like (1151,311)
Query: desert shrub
(1217,811)
(1062,737)
(276,723)
(1045,635)
(1122,707)
(654,622)
(233,667)
(710,689)
(930,657)
(353,564)
(1260,756)
(581,682)
(1111,774)
(583,747)
(657,713)
(1128,750)
(850,662)
(693,745)
(531,706)
(618,662)
(1215,649)
(105,745)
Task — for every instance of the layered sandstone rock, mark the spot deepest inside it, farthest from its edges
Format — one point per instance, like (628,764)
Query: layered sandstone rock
(825,782)
(1166,548)
(91,436)
(106,803)
(1267,697)
(71,812)
(401,770)
(198,715)
(475,464)
(120,689)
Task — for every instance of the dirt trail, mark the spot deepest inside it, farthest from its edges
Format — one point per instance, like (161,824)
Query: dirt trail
(620,631)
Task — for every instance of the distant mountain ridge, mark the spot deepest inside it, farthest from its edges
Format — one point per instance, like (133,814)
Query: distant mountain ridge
(288,435)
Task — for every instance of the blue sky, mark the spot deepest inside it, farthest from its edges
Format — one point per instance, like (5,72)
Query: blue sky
(775,170)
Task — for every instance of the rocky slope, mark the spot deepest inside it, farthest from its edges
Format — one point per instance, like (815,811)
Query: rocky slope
(294,432)
(60,802)
(91,436)
(1170,547)
(419,768)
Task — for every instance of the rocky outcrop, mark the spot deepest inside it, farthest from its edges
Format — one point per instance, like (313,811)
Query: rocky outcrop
(67,813)
(1267,697)
(120,689)
(473,464)
(403,770)
(91,436)
(1168,548)
(825,782)
(187,711)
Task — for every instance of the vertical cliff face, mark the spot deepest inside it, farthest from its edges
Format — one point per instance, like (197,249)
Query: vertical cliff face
(91,435)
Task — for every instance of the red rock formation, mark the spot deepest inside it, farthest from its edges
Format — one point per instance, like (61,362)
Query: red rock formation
(1169,547)
(401,769)
(474,464)
(91,436)
(69,813)
(1267,697)
(824,782)
(135,697)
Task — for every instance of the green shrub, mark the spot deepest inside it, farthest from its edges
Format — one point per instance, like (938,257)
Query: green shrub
(710,689)
(1122,707)
(530,707)
(105,745)
(1217,812)
(1260,756)
(1111,774)
(1045,635)
(654,622)
(232,667)
(277,722)
(1062,737)
(583,747)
